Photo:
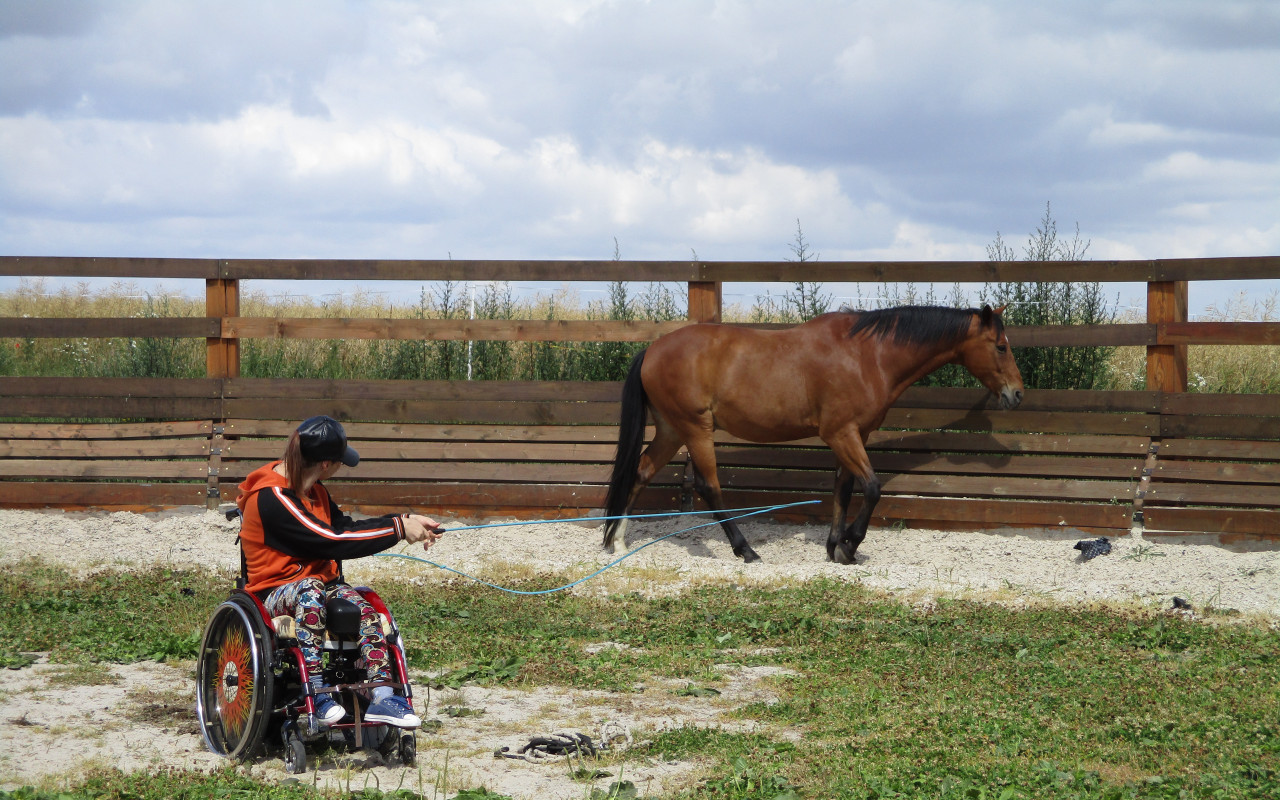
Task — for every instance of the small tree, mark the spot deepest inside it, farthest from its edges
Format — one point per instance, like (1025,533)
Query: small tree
(1062,303)
(805,301)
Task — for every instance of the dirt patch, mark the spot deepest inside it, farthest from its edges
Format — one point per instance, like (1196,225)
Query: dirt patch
(141,716)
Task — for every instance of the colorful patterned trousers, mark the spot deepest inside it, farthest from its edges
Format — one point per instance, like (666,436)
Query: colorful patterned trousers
(304,601)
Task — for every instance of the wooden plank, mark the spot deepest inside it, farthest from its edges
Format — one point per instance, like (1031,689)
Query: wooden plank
(1232,449)
(1255,405)
(89,267)
(1186,427)
(1003,512)
(1167,364)
(467,498)
(937,397)
(1217,472)
(1244,521)
(108,327)
(973,463)
(1228,333)
(199,388)
(1221,494)
(1140,271)
(512,391)
(986,513)
(99,430)
(363,431)
(85,448)
(515,330)
(155,408)
(213,468)
(62,468)
(496,412)
(134,496)
(222,355)
(442,451)
(1114,335)
(495,472)
(706,299)
(954,441)
(939,485)
(1023,421)
(963,441)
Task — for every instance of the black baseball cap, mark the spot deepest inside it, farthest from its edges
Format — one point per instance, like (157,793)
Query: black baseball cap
(323,439)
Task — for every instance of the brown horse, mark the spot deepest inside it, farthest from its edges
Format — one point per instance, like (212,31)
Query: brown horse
(834,377)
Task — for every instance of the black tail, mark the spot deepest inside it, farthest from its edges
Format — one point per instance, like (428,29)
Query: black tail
(630,445)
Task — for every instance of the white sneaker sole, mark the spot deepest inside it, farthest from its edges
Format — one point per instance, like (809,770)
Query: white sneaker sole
(410,721)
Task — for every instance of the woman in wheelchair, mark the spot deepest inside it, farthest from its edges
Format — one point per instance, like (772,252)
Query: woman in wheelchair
(293,537)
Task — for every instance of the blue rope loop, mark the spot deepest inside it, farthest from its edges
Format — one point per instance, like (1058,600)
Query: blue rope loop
(749,511)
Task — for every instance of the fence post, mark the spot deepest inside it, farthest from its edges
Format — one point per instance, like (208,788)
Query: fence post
(1166,363)
(222,356)
(705,300)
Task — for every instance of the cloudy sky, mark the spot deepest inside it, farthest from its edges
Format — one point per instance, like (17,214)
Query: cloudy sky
(542,129)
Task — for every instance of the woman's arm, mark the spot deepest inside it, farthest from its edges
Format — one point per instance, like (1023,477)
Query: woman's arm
(290,528)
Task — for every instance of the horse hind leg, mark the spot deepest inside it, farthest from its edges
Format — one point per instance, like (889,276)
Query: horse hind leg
(656,456)
(707,485)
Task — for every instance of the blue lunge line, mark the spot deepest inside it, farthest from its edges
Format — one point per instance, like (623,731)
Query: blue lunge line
(750,512)
(756,509)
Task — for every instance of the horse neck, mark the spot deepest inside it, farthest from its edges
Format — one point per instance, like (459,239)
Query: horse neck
(910,362)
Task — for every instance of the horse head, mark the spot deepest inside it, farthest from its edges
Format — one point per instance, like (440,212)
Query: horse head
(986,353)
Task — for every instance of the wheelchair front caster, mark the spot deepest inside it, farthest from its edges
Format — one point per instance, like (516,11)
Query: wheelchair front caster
(295,755)
(408,749)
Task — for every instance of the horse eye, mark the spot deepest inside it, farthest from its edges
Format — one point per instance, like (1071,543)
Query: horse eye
(1000,348)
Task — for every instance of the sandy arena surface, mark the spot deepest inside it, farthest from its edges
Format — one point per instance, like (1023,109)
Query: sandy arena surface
(52,728)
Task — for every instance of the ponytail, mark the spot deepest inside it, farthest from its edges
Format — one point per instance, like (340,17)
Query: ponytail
(298,471)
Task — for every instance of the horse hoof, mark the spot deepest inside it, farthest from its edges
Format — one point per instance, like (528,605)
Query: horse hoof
(748,556)
(840,557)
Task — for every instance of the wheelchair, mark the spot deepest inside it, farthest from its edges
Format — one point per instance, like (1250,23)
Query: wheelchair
(253,692)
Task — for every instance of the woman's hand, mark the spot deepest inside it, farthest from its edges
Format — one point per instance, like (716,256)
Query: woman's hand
(418,528)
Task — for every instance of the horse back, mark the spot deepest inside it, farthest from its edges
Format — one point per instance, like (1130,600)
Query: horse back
(760,385)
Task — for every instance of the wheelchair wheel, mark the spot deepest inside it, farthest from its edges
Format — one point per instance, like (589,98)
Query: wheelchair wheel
(234,680)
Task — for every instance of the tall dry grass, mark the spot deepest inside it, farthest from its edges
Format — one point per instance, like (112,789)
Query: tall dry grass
(1215,369)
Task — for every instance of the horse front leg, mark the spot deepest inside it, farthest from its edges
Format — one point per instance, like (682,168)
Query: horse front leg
(842,496)
(855,467)
(857,531)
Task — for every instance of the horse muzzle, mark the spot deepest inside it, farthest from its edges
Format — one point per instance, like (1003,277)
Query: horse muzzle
(1010,398)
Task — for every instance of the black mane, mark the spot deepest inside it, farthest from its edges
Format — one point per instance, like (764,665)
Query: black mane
(916,324)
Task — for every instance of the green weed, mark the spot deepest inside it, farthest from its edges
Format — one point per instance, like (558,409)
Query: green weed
(880,699)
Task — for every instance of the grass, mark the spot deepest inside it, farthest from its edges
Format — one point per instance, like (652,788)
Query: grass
(875,698)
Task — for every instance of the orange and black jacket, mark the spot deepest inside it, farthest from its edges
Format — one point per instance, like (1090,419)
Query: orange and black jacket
(286,538)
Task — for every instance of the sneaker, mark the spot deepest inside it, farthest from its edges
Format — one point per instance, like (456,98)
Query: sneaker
(329,710)
(393,710)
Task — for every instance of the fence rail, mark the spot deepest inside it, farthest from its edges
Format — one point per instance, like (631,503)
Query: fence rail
(1168,461)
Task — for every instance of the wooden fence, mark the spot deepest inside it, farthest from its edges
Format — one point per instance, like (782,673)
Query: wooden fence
(1165,460)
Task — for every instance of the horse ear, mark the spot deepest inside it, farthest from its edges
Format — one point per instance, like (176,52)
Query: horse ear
(989,316)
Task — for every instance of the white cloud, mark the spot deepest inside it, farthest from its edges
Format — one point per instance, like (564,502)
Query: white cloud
(890,128)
